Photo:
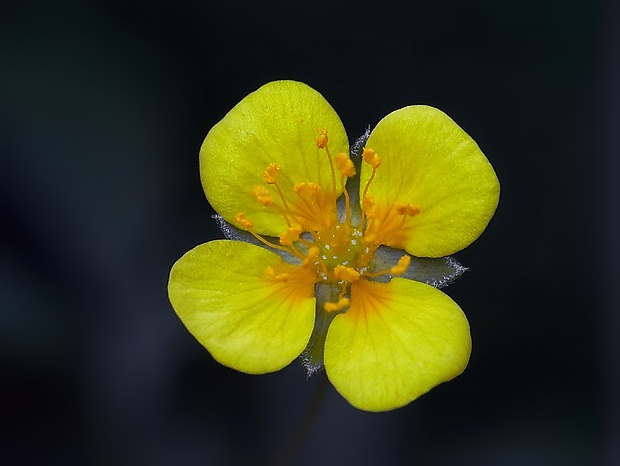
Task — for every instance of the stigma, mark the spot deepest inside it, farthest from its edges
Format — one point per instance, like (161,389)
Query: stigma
(321,233)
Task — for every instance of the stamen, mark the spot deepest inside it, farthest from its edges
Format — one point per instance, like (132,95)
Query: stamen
(321,141)
(347,201)
(370,180)
(271,177)
(271,173)
(290,235)
(347,274)
(400,267)
(368,209)
(262,195)
(407,209)
(371,157)
(308,194)
(244,222)
(342,303)
(390,224)
(275,246)
(311,256)
(306,190)
(271,273)
(347,169)
(331,250)
(313,213)
(345,165)
(248,224)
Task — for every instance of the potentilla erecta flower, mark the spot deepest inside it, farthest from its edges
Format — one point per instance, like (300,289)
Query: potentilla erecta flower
(335,255)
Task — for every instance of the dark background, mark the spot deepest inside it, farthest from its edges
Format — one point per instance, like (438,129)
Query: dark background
(103,107)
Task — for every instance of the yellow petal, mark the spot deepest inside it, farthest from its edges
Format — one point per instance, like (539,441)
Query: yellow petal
(396,342)
(247,320)
(277,124)
(429,163)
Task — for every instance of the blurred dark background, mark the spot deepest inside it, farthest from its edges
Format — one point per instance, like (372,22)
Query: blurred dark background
(103,107)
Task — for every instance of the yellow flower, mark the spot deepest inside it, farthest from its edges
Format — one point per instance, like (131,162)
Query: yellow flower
(336,254)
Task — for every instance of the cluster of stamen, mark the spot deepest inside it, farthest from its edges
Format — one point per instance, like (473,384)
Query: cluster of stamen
(337,251)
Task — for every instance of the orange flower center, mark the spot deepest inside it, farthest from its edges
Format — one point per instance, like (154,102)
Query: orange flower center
(321,231)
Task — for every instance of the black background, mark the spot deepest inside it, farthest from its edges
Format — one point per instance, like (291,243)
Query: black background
(103,107)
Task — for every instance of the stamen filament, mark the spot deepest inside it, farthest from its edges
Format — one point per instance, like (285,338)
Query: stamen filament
(308,192)
(276,246)
(336,252)
(369,237)
(399,268)
(306,242)
(371,158)
(286,211)
(313,253)
(347,201)
(333,170)
(347,169)
(404,211)
(372,177)
(321,143)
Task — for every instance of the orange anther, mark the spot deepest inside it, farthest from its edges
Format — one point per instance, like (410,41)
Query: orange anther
(345,165)
(342,303)
(271,273)
(402,265)
(321,141)
(271,173)
(371,157)
(306,189)
(311,257)
(290,235)
(346,274)
(262,195)
(407,209)
(244,222)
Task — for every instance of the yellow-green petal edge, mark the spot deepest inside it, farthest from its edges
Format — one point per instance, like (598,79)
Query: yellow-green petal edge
(278,123)
(396,342)
(430,162)
(246,321)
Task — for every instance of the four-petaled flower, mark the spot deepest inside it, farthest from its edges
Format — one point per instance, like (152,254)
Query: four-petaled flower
(332,254)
